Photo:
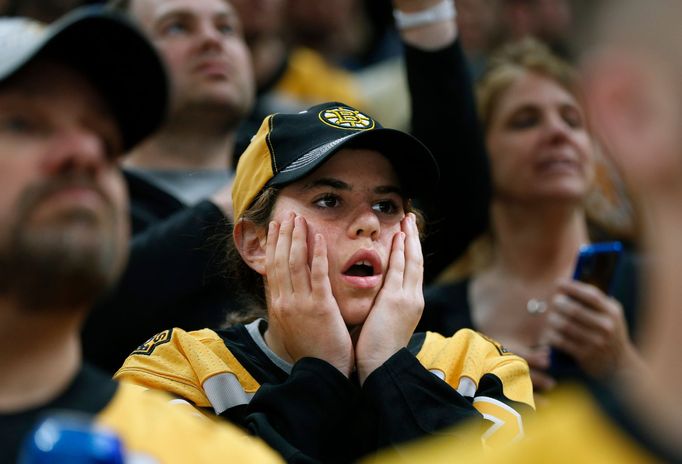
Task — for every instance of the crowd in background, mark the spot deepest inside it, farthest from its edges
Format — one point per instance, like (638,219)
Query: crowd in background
(546,136)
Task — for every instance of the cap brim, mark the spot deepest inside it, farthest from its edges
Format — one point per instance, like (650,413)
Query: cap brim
(116,58)
(416,168)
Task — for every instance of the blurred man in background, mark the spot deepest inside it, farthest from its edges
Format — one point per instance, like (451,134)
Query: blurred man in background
(66,116)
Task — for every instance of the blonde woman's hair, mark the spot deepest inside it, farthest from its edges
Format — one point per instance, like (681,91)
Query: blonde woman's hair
(512,61)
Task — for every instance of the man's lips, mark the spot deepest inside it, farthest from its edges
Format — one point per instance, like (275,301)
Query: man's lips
(76,197)
(213,68)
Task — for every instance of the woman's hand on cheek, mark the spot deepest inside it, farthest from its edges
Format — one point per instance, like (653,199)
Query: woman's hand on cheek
(398,306)
(304,318)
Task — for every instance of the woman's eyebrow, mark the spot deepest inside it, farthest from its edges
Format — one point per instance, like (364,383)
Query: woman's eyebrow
(328,182)
(341,185)
(383,189)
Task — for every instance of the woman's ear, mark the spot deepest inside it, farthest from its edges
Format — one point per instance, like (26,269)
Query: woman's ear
(250,240)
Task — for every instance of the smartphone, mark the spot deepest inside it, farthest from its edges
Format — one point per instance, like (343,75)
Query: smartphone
(596,265)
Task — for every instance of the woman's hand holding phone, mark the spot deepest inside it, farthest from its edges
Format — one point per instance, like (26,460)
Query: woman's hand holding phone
(588,325)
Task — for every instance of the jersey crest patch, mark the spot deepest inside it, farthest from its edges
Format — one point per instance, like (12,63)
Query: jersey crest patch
(147,348)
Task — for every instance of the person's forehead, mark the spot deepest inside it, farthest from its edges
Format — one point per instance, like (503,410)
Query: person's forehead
(249,7)
(46,81)
(530,87)
(45,75)
(351,164)
(159,8)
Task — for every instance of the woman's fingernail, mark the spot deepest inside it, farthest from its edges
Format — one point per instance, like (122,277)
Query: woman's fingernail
(561,300)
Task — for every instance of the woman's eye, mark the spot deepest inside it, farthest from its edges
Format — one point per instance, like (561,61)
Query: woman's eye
(327,201)
(523,120)
(386,207)
(175,28)
(573,118)
(226,28)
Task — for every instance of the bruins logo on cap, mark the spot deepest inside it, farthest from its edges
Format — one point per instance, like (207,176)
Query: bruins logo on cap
(346,118)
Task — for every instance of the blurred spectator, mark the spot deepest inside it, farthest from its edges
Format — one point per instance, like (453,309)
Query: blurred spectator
(358,36)
(330,28)
(478,25)
(550,21)
(542,168)
(179,181)
(351,33)
(379,41)
(67,114)
(288,77)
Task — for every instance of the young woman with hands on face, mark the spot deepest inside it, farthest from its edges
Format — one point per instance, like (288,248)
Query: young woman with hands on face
(329,369)
(358,303)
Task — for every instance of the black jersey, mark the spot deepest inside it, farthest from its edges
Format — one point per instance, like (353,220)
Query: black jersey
(434,383)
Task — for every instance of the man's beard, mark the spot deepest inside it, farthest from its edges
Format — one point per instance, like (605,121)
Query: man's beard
(63,263)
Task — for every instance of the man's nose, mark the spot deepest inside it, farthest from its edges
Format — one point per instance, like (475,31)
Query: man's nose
(76,150)
(210,36)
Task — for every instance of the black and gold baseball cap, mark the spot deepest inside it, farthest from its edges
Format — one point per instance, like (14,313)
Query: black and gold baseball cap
(289,146)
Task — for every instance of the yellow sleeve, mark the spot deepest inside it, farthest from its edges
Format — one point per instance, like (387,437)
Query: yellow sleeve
(482,370)
(467,356)
(151,428)
(180,362)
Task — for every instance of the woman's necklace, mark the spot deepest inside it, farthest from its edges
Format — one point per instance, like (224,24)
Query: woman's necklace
(536,306)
